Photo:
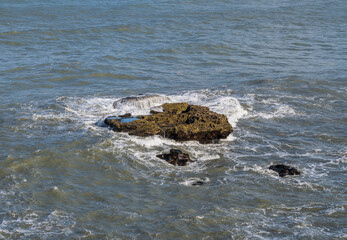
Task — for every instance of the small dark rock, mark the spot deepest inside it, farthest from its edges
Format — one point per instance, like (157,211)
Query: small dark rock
(197,183)
(127,115)
(284,170)
(175,157)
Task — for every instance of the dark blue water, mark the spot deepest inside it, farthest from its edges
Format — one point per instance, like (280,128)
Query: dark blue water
(277,69)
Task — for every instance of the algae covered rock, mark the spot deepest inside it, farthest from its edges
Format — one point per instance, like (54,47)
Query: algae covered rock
(178,121)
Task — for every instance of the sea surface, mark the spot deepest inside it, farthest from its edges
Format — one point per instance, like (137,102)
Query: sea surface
(276,69)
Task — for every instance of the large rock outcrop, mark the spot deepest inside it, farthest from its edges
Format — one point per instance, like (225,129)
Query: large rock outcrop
(178,121)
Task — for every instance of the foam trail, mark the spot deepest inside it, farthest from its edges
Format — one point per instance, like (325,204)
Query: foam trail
(194,181)
(281,112)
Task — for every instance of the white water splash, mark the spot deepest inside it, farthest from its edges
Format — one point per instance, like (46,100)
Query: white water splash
(137,105)
(280,111)
(192,181)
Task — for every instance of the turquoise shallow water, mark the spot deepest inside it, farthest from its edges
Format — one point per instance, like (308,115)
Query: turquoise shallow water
(277,69)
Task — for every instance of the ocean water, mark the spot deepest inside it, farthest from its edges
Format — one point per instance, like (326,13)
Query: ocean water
(276,69)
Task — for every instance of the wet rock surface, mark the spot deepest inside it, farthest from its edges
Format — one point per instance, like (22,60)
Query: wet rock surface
(175,157)
(284,170)
(178,121)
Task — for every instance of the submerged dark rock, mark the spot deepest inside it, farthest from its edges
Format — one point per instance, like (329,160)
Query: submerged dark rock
(198,183)
(284,170)
(178,121)
(175,157)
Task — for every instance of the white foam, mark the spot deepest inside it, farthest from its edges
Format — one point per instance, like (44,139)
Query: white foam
(152,141)
(88,110)
(335,209)
(301,184)
(258,169)
(342,159)
(209,157)
(229,106)
(140,105)
(142,101)
(190,181)
(230,138)
(30,223)
(218,101)
(280,112)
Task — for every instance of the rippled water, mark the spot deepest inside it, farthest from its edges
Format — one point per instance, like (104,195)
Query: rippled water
(277,69)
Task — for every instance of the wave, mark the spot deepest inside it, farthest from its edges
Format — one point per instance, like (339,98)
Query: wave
(136,104)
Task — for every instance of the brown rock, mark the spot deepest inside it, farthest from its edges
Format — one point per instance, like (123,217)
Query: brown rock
(179,121)
(175,157)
